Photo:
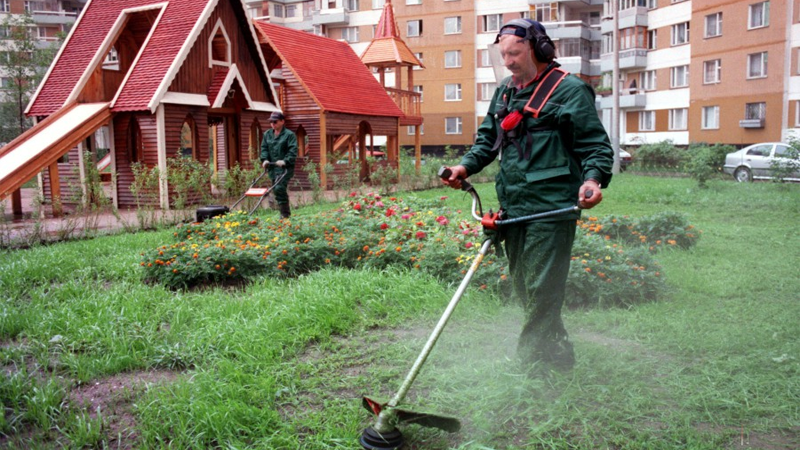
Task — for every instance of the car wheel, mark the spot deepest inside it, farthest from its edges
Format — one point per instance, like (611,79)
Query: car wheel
(743,175)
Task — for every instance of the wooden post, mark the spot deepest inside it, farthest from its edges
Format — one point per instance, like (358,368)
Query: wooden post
(16,202)
(55,189)
(417,149)
(112,148)
(161,136)
(82,173)
(323,149)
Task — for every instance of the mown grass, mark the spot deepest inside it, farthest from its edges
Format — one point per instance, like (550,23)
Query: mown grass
(282,364)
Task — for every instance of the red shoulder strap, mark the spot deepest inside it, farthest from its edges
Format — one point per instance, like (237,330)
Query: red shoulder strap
(544,90)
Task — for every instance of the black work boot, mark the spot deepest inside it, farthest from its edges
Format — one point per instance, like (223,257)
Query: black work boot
(286,211)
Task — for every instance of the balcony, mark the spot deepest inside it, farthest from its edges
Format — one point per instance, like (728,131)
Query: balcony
(573,29)
(53,17)
(751,123)
(585,2)
(628,59)
(628,18)
(410,103)
(636,100)
(331,16)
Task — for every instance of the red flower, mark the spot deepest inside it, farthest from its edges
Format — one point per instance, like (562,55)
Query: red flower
(469,244)
(384,226)
(442,220)
(421,235)
(390,212)
(353,194)
(357,206)
(511,121)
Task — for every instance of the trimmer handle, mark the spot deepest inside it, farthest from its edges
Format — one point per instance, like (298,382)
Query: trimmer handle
(445,172)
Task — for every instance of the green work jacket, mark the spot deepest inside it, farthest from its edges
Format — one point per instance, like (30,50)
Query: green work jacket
(569,146)
(282,147)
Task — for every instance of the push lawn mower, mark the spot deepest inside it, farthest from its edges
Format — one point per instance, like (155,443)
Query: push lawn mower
(207,212)
(383,434)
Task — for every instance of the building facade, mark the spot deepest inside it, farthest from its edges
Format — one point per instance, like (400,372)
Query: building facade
(725,71)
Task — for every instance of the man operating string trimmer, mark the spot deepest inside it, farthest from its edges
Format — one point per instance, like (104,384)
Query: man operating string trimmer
(543,128)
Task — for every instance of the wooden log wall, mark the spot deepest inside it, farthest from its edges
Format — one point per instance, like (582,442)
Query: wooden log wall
(174,118)
(122,135)
(195,75)
(69,176)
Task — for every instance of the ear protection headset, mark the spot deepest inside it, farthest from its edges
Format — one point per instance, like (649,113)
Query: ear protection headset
(543,48)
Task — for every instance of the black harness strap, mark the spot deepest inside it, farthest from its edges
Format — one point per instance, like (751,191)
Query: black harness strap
(544,90)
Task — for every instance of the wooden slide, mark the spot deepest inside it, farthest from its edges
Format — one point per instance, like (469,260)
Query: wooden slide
(42,145)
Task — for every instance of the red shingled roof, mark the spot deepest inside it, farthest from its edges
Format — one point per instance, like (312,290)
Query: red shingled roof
(332,73)
(160,52)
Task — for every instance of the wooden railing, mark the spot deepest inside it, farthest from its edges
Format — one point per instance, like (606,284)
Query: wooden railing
(408,101)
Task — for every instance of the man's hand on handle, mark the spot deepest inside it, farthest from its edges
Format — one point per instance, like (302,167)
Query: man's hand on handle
(265,164)
(457,174)
(596,196)
(280,163)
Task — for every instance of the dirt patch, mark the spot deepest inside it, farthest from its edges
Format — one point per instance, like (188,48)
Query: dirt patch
(113,399)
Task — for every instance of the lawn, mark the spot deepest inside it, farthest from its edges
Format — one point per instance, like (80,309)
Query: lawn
(92,357)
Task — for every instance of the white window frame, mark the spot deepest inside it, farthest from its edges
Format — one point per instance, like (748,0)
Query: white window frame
(675,79)
(452,92)
(457,20)
(291,11)
(5,6)
(418,30)
(678,119)
(652,39)
(378,4)
(705,123)
(764,16)
(762,110)
(350,5)
(411,129)
(676,33)
(419,57)
(451,54)
(716,70)
(413,2)
(496,27)
(647,80)
(763,63)
(486,91)
(350,34)
(219,27)
(278,10)
(643,122)
(797,113)
(715,19)
(486,61)
(458,125)
(418,89)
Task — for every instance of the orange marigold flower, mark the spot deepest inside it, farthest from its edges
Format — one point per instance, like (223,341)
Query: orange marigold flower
(398,248)
(174,270)
(588,269)
(671,242)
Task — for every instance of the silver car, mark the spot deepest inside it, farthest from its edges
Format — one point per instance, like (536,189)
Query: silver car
(756,162)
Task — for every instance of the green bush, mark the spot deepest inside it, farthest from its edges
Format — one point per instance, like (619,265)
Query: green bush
(660,155)
(658,231)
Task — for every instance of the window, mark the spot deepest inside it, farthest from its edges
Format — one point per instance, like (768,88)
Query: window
(219,47)
(414,28)
(797,113)
(484,59)
(452,92)
(419,57)
(452,125)
(377,4)
(758,15)
(755,110)
(680,33)
(452,25)
(291,10)
(712,71)
(188,140)
(545,13)
(4,6)
(418,89)
(350,34)
(647,120)
(677,118)
(648,80)
(412,129)
(6,83)
(413,2)
(680,76)
(277,10)
(710,118)
(632,38)
(492,23)
(652,39)
(351,5)
(757,65)
(4,31)
(783,151)
(760,150)
(485,91)
(452,59)
(652,4)
(714,25)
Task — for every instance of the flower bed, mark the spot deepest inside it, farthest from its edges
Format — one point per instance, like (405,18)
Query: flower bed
(371,231)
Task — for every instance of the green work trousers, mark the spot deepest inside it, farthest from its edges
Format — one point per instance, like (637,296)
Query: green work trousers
(281,189)
(539,254)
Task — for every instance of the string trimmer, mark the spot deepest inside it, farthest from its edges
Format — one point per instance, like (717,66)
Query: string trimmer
(383,434)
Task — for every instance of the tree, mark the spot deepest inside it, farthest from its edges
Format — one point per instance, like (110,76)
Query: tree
(24,62)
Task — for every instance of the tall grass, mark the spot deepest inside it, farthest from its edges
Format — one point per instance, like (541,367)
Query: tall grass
(282,364)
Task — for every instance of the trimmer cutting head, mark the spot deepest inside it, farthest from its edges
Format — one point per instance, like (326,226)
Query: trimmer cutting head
(372,440)
(384,435)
